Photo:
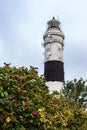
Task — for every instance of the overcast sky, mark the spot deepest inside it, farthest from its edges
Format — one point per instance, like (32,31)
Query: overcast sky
(23,23)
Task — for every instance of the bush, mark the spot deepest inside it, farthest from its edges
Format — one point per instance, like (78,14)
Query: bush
(26,104)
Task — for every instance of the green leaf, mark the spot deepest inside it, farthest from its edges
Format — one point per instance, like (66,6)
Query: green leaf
(23,103)
(6,93)
(2,94)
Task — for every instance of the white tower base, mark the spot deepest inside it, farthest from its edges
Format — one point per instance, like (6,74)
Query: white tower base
(55,86)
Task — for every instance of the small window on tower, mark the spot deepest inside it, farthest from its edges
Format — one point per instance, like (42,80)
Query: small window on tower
(60,58)
(59,48)
(47,49)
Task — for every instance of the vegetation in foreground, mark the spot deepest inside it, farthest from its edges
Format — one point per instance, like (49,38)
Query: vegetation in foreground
(26,104)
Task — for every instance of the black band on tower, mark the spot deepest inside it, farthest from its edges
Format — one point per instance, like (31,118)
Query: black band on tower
(54,70)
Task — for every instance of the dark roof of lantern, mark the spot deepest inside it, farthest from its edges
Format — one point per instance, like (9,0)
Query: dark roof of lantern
(53,23)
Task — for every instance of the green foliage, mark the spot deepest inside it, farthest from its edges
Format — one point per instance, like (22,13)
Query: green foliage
(76,91)
(26,104)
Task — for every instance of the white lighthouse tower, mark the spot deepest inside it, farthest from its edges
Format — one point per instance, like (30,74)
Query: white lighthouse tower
(54,65)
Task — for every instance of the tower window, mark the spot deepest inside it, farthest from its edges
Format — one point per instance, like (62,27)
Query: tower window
(60,58)
(59,48)
(47,49)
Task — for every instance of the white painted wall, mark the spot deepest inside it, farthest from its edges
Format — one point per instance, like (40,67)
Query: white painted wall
(53,51)
(53,44)
(54,86)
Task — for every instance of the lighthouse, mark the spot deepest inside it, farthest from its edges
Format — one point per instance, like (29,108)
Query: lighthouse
(53,56)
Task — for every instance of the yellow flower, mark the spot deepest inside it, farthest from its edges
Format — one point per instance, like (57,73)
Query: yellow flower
(42,119)
(49,122)
(8,119)
(41,109)
(55,116)
(31,121)
(24,91)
